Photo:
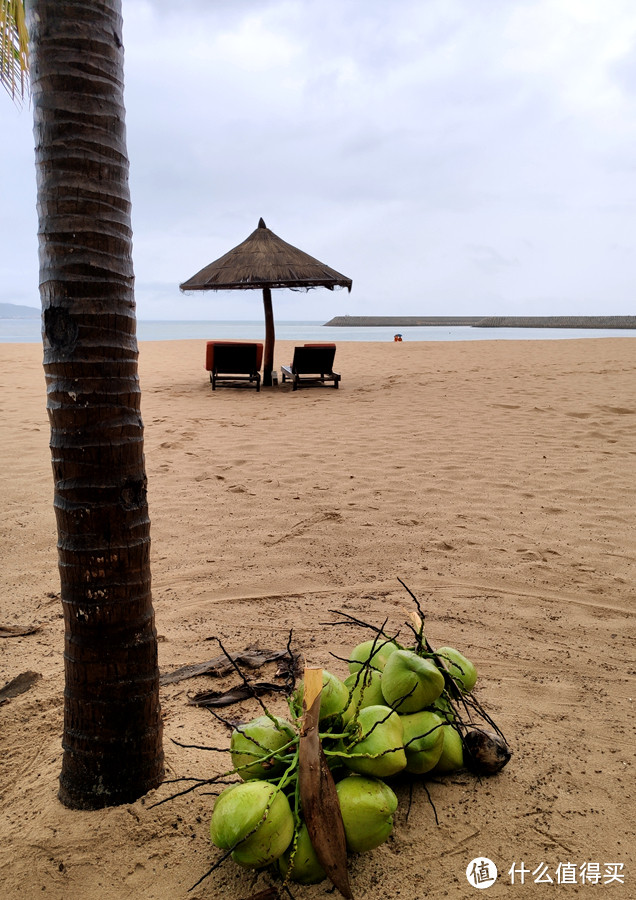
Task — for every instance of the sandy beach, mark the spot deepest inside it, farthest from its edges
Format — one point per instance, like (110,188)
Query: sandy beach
(495,478)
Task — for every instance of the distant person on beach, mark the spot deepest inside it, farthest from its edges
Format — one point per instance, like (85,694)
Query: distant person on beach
(397,337)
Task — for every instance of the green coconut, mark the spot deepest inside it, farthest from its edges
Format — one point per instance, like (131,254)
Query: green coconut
(410,682)
(257,739)
(462,670)
(367,806)
(333,699)
(365,689)
(254,820)
(301,864)
(452,755)
(443,708)
(374,653)
(423,741)
(381,742)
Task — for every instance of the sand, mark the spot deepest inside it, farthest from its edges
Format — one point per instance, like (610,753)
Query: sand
(495,478)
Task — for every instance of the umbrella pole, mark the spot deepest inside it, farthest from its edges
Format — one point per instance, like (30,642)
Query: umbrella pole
(270,337)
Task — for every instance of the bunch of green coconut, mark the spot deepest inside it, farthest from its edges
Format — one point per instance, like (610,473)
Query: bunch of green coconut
(399,710)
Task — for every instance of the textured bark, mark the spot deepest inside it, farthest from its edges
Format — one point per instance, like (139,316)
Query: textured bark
(112,724)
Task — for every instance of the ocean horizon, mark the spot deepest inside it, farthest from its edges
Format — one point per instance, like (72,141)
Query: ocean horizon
(28,331)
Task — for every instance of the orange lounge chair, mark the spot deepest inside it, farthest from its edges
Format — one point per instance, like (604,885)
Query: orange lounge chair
(234,361)
(312,364)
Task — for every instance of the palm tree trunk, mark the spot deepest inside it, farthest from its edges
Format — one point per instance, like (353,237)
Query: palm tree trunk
(112,723)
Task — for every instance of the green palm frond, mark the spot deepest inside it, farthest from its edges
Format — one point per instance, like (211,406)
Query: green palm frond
(14,52)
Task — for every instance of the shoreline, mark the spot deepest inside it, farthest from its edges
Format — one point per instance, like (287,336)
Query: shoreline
(29,332)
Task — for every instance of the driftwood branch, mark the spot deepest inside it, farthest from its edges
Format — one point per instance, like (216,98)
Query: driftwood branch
(223,665)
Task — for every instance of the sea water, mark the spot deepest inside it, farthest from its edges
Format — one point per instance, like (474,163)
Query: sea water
(28,331)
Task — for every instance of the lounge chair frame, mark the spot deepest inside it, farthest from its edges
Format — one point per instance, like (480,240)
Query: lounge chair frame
(312,364)
(232,362)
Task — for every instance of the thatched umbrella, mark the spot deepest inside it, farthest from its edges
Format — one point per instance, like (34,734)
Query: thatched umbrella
(265,261)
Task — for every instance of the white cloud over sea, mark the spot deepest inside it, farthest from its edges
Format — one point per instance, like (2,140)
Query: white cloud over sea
(451,156)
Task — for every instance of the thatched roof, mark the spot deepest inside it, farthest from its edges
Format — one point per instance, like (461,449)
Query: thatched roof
(263,260)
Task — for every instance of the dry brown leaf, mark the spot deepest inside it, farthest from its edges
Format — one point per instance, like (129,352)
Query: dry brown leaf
(18,685)
(318,796)
(236,694)
(17,630)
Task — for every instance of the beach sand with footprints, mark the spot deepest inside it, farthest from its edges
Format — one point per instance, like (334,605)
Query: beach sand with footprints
(495,478)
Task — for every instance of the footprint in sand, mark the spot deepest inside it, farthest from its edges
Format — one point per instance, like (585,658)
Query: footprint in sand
(619,410)
(240,489)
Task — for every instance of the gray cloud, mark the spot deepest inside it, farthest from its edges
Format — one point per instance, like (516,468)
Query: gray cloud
(449,157)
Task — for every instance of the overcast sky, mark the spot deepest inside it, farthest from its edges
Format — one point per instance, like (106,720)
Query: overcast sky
(450,156)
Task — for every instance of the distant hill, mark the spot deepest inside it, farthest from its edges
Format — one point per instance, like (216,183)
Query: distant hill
(15,311)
